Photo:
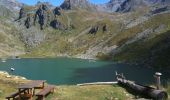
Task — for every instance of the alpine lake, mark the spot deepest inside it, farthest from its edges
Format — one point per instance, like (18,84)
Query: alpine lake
(71,71)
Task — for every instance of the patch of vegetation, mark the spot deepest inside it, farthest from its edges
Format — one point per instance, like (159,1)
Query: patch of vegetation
(99,92)
(72,92)
(102,56)
(148,51)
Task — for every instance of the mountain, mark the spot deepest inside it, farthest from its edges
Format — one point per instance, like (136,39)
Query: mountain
(129,5)
(10,42)
(112,5)
(11,4)
(83,30)
(157,1)
(72,4)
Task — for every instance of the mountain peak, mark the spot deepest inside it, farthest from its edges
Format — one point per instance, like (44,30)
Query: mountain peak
(71,4)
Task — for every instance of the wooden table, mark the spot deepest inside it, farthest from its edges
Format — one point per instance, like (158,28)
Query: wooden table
(30,87)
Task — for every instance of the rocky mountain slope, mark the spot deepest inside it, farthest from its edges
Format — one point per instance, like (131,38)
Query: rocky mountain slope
(129,5)
(80,29)
(11,4)
(73,4)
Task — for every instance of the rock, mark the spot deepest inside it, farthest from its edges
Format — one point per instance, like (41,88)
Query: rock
(16,77)
(116,6)
(151,2)
(104,29)
(56,11)
(8,76)
(57,25)
(4,73)
(123,6)
(32,37)
(28,22)
(13,5)
(66,5)
(128,5)
(21,13)
(23,78)
(71,4)
(94,30)
(159,10)
(42,15)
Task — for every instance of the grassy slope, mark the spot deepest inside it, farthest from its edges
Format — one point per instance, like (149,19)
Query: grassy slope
(58,42)
(150,49)
(99,92)
(76,92)
(9,37)
(72,92)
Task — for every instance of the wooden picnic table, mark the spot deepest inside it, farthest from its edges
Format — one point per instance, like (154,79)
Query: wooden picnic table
(31,86)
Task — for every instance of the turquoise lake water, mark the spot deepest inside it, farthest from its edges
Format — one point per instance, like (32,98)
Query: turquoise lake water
(73,71)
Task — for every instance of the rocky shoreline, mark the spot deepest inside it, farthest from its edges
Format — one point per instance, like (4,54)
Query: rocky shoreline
(5,77)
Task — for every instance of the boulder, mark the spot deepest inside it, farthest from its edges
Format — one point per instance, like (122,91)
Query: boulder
(72,4)
(94,30)
(57,25)
(66,5)
(104,28)
(28,22)
(21,13)
(159,9)
(41,13)
(56,11)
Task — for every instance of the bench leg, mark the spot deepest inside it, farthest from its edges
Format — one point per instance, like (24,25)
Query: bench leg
(41,98)
(31,97)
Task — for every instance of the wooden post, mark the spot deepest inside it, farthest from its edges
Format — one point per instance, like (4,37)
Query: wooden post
(158,80)
(19,94)
(43,85)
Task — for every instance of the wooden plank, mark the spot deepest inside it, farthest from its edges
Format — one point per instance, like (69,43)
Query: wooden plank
(32,84)
(98,83)
(15,94)
(46,91)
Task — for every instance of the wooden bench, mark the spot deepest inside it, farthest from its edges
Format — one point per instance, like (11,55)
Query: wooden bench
(15,94)
(43,93)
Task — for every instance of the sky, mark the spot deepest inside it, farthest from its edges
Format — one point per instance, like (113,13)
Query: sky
(58,2)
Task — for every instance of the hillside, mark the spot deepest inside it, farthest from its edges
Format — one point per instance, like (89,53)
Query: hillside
(9,36)
(135,35)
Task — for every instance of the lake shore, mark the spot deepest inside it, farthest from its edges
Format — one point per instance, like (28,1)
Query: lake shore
(8,84)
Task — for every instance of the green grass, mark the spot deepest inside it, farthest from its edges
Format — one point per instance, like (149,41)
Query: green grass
(57,43)
(73,92)
(149,50)
(5,89)
(99,92)
(152,23)
(9,39)
(68,92)
(168,90)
